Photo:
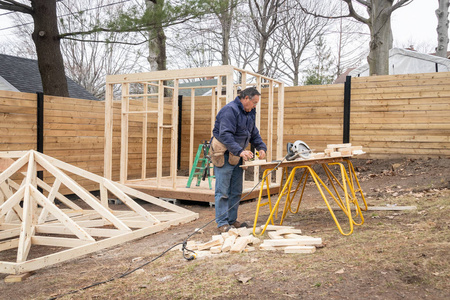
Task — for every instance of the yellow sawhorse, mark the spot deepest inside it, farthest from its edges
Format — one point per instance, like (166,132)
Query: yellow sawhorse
(349,185)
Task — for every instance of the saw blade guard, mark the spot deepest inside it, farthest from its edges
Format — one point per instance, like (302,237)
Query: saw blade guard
(298,149)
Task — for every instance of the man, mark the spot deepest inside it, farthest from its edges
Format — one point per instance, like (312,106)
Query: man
(234,129)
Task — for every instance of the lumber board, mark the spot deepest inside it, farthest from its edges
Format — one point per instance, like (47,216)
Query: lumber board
(209,244)
(276,227)
(17,277)
(240,244)
(294,242)
(300,249)
(285,231)
(35,264)
(228,243)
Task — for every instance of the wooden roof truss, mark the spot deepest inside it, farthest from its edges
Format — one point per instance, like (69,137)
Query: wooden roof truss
(30,216)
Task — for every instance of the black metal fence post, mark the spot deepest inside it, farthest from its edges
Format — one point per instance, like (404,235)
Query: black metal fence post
(40,128)
(347,98)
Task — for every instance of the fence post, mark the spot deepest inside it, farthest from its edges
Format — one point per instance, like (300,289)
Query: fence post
(347,97)
(40,128)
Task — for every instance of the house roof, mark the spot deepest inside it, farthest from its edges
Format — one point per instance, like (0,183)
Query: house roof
(22,74)
(198,91)
(343,77)
(402,61)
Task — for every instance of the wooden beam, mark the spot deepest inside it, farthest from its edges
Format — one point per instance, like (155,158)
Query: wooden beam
(12,203)
(28,226)
(59,242)
(9,233)
(171,74)
(9,244)
(83,194)
(191,129)
(125,107)
(13,168)
(174,137)
(37,263)
(280,129)
(144,134)
(107,171)
(51,197)
(18,277)
(160,132)
(61,216)
(129,202)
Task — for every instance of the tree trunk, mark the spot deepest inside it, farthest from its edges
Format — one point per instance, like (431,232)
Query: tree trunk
(157,57)
(262,54)
(46,39)
(295,81)
(225,21)
(380,37)
(442,28)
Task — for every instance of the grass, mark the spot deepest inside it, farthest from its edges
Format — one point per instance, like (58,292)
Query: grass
(394,254)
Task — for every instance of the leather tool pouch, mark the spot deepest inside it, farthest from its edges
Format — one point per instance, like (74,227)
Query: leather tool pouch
(217,152)
(233,159)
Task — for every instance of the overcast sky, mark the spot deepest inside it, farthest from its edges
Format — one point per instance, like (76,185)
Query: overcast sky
(413,24)
(416,23)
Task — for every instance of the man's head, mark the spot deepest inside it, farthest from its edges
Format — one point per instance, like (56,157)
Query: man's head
(249,98)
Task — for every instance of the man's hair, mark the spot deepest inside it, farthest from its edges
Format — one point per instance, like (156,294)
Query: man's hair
(250,92)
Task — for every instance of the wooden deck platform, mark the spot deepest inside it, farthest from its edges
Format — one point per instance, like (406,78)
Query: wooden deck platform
(194,193)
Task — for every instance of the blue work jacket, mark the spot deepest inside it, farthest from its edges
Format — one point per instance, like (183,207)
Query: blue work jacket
(235,128)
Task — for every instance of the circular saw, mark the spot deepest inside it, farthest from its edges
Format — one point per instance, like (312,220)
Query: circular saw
(298,149)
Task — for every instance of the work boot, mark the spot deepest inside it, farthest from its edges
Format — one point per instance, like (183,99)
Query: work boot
(238,224)
(224,228)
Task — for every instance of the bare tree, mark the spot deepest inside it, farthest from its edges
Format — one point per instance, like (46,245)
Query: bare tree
(350,41)
(442,28)
(156,40)
(208,39)
(298,31)
(224,10)
(244,42)
(46,39)
(379,22)
(265,16)
(87,61)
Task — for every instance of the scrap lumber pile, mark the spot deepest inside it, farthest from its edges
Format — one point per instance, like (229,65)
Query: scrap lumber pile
(238,240)
(338,150)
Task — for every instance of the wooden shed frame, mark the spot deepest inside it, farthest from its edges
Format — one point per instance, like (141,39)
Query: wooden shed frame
(229,81)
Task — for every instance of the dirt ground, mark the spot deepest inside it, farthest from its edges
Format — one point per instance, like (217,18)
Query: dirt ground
(393,255)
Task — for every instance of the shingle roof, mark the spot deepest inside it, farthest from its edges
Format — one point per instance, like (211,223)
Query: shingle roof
(23,74)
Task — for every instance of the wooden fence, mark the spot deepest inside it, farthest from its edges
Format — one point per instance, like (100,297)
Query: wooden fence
(402,115)
(391,116)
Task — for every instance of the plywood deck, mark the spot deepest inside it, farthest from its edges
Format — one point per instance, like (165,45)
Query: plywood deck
(194,193)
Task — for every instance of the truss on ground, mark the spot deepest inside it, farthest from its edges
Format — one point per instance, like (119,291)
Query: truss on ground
(31,219)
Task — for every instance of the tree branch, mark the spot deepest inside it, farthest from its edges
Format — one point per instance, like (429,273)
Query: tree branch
(12,5)
(106,41)
(400,4)
(354,14)
(121,30)
(321,16)
(365,3)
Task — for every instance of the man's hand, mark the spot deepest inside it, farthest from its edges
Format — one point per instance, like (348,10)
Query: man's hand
(262,154)
(246,155)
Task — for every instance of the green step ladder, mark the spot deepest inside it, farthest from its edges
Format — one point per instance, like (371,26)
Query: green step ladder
(202,166)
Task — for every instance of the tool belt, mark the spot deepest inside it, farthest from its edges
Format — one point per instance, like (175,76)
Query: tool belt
(217,152)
